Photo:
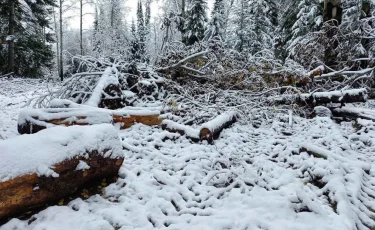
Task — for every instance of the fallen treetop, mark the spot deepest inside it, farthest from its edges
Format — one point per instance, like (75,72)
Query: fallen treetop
(29,154)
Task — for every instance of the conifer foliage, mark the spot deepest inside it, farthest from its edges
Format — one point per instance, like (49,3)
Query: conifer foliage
(196,20)
(26,49)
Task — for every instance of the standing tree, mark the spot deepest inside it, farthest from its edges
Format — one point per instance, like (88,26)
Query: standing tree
(141,30)
(263,23)
(216,26)
(195,24)
(24,26)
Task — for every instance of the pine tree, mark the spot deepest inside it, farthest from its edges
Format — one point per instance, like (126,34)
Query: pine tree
(195,24)
(31,51)
(216,25)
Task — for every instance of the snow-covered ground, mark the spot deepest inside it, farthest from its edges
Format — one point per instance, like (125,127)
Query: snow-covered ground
(14,94)
(308,174)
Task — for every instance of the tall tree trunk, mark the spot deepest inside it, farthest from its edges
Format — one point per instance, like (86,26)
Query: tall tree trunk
(80,27)
(10,38)
(61,71)
(57,41)
(183,17)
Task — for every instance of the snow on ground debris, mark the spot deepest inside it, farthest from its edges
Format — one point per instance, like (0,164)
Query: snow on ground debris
(28,154)
(319,176)
(250,179)
(14,94)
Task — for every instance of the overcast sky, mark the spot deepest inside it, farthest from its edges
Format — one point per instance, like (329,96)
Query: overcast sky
(130,7)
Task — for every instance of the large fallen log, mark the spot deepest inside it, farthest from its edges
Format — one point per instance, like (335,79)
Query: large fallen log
(45,167)
(33,120)
(323,98)
(208,131)
(354,113)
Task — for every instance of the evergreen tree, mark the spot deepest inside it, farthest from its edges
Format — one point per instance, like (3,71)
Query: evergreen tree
(134,43)
(240,38)
(32,53)
(141,30)
(262,26)
(216,25)
(195,24)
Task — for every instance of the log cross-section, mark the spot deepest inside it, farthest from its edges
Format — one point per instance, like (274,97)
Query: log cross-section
(212,129)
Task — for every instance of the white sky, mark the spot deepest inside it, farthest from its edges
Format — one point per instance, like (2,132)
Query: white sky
(130,9)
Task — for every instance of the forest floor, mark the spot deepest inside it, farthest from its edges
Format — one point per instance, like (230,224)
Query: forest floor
(311,174)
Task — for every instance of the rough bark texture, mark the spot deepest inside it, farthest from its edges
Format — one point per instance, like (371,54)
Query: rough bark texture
(32,191)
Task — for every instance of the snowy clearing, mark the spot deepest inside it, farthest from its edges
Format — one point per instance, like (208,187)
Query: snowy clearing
(311,174)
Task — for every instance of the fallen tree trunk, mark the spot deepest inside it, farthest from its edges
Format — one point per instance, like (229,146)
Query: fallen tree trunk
(354,113)
(45,167)
(206,132)
(34,120)
(212,129)
(184,130)
(323,98)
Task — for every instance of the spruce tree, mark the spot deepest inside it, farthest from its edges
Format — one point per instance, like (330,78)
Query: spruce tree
(195,23)
(32,52)
(262,26)
(141,30)
(216,25)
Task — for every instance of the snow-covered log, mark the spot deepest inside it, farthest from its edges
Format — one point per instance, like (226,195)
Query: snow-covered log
(183,130)
(45,167)
(107,93)
(322,98)
(212,129)
(354,113)
(33,120)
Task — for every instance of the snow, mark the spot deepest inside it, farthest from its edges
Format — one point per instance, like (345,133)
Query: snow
(28,154)
(351,92)
(219,120)
(251,178)
(108,78)
(82,166)
(14,94)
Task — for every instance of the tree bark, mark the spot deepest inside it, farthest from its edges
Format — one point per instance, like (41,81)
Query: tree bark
(31,191)
(10,38)
(81,26)
(36,120)
(61,70)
